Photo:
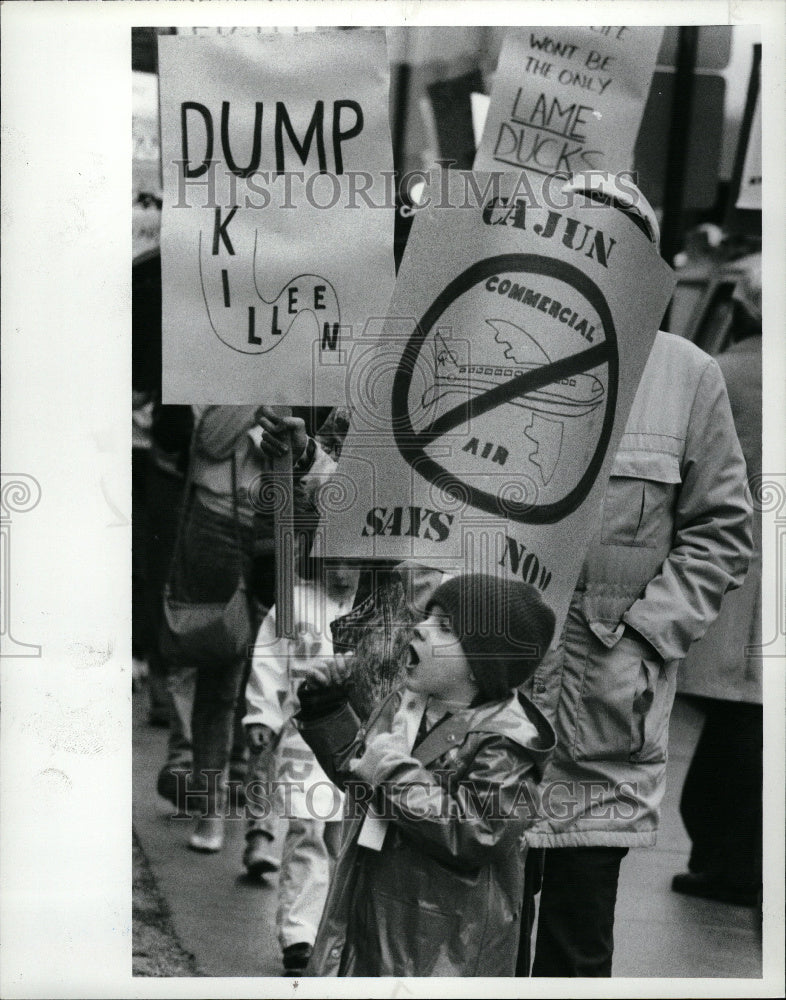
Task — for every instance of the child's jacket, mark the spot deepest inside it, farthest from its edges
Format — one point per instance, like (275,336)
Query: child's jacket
(443,896)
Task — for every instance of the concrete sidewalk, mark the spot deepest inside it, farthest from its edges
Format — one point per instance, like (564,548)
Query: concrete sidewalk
(229,923)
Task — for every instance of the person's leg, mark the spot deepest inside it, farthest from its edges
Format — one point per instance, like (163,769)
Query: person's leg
(261,822)
(701,793)
(739,853)
(575,935)
(302,890)
(721,806)
(164,495)
(181,683)
(140,528)
(533,879)
(215,696)
(211,571)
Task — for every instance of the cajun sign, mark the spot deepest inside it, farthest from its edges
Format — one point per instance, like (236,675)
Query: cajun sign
(569,98)
(486,417)
(278,225)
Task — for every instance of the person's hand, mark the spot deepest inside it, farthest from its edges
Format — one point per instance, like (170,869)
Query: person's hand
(259,737)
(332,671)
(323,692)
(280,434)
(382,753)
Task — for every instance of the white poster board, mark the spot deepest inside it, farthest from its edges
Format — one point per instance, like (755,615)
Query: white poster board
(277,237)
(568,99)
(487,414)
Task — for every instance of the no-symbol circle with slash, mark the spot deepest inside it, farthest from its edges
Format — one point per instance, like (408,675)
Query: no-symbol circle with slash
(412,444)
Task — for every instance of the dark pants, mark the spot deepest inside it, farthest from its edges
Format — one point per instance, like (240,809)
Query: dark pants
(721,804)
(142,636)
(576,919)
(164,496)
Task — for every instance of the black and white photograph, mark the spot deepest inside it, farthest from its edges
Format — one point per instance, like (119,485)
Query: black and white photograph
(426,619)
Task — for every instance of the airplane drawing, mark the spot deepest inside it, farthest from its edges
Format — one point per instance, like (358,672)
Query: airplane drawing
(548,406)
(570,397)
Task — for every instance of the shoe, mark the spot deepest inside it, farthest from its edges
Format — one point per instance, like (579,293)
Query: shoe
(256,858)
(705,887)
(208,838)
(167,783)
(158,717)
(296,958)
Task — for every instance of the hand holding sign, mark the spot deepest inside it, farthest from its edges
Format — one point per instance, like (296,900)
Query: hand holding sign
(275,435)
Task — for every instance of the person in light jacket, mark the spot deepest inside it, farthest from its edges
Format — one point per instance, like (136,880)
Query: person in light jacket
(310,806)
(674,534)
(724,669)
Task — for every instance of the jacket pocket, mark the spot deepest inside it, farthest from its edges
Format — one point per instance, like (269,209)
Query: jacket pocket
(651,710)
(639,498)
(623,705)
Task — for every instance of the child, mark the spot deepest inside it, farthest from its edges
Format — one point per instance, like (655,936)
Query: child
(311,806)
(434,887)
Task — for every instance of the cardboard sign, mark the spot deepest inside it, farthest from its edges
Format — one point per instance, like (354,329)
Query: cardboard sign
(486,416)
(277,236)
(568,99)
(750,181)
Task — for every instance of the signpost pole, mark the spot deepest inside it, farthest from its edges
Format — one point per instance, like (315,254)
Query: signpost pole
(284,538)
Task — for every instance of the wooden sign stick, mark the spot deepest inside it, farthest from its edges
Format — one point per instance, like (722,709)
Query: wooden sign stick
(284,530)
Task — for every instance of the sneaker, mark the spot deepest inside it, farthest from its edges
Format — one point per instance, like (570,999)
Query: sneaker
(296,958)
(208,838)
(167,782)
(256,857)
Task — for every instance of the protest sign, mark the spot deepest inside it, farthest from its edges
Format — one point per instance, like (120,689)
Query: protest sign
(568,98)
(486,415)
(277,237)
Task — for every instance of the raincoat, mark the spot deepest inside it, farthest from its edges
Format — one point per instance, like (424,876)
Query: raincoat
(443,896)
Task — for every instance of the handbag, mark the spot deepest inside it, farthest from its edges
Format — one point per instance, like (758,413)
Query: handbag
(209,633)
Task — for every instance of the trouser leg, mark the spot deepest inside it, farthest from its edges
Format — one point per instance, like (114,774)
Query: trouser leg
(575,934)
(303,882)
(215,697)
(259,793)
(181,684)
(165,495)
(533,878)
(721,802)
(702,795)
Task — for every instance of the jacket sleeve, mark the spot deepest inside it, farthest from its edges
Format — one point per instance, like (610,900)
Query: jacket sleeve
(335,738)
(268,683)
(472,822)
(220,428)
(320,471)
(712,529)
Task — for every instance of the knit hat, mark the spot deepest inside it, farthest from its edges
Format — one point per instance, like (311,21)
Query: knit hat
(504,627)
